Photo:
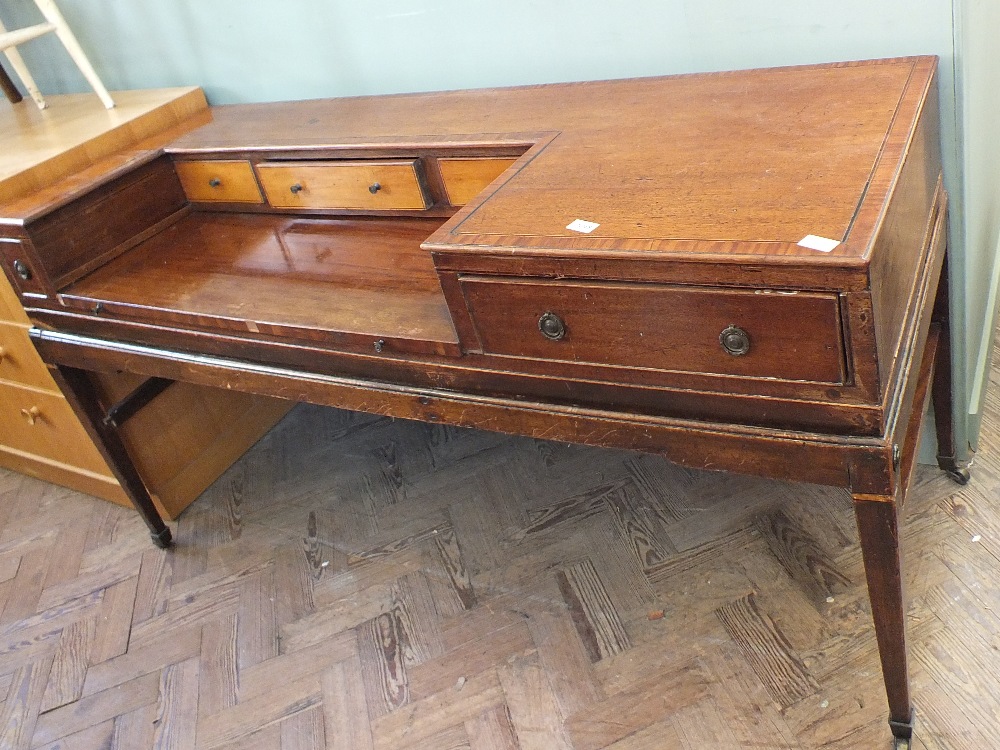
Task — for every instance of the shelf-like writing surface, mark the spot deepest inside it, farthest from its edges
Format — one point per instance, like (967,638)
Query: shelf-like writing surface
(356,280)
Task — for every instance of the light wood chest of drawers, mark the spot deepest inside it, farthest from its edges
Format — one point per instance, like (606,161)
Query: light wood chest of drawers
(189,435)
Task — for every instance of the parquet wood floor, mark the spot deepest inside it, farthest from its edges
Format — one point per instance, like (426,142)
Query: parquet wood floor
(356,583)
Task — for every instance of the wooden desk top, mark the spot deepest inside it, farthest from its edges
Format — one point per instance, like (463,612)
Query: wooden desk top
(701,187)
(731,164)
(246,283)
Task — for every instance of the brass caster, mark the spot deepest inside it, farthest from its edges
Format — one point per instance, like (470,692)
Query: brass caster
(902,731)
(960,475)
(163,540)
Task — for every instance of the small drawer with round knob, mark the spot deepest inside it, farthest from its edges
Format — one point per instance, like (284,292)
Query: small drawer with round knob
(11,308)
(344,185)
(41,423)
(686,329)
(219,181)
(19,362)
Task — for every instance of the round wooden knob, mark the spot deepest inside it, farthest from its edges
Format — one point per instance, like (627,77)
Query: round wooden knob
(31,414)
(551,326)
(735,341)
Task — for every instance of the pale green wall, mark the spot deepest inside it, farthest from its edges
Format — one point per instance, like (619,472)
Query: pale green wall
(250,50)
(978,84)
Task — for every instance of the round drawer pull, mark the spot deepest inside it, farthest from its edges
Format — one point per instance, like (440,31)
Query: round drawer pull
(735,340)
(32,414)
(215,182)
(551,326)
(296,188)
(22,270)
(374,188)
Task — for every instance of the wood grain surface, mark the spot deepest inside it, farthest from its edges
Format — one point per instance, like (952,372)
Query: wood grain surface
(134,277)
(619,602)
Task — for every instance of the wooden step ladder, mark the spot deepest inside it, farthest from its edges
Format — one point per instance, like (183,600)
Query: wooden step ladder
(54,23)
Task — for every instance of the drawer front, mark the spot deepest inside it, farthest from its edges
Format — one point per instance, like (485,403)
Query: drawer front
(790,336)
(18,359)
(464,179)
(43,424)
(226,181)
(21,268)
(369,185)
(10,305)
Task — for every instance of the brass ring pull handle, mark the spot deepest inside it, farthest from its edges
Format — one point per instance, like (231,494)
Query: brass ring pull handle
(215,182)
(32,414)
(374,188)
(735,340)
(296,188)
(551,326)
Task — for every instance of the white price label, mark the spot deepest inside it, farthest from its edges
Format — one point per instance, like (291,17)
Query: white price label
(585,227)
(822,244)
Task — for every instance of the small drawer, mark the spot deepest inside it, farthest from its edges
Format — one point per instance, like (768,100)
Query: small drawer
(10,305)
(371,185)
(43,424)
(18,359)
(219,181)
(790,336)
(465,178)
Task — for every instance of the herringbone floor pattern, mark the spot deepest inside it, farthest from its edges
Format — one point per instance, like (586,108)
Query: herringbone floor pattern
(356,583)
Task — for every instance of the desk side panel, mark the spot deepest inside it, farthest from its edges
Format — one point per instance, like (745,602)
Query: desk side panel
(902,244)
(103,223)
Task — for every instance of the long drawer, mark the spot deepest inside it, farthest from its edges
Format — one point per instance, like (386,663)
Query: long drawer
(752,333)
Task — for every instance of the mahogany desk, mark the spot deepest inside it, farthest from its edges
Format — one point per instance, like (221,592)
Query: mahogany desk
(613,263)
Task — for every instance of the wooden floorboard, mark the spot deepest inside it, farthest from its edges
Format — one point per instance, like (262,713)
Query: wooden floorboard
(357,583)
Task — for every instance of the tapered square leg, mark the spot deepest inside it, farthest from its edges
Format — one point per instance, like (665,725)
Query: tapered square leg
(942,394)
(79,391)
(878,527)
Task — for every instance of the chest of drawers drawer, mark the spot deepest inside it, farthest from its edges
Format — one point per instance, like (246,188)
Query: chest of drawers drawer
(750,333)
(361,185)
(43,424)
(10,306)
(219,180)
(19,361)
